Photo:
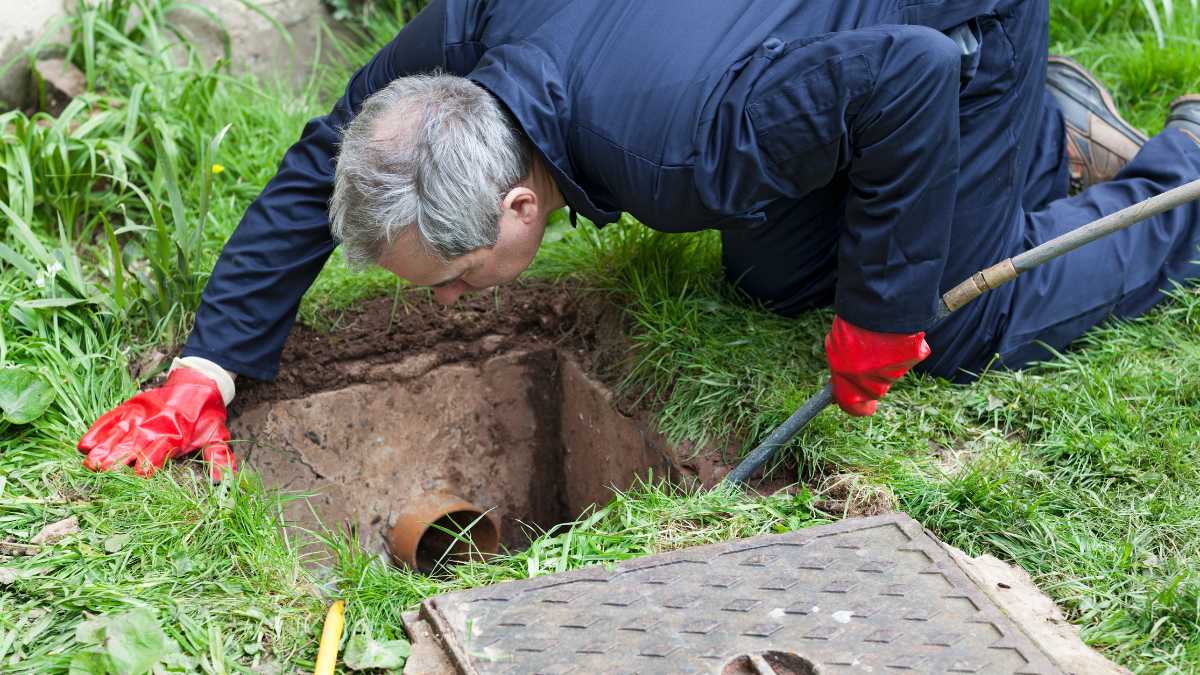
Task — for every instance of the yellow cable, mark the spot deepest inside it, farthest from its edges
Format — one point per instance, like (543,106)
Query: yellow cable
(331,637)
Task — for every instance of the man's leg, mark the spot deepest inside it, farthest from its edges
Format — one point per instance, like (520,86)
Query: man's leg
(1122,275)
(789,263)
(1049,176)
(1013,161)
(1012,154)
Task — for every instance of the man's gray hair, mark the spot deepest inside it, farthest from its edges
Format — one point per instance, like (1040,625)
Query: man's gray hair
(435,151)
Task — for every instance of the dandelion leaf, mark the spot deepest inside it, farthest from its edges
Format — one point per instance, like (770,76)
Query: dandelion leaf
(23,395)
(130,642)
(363,653)
(92,661)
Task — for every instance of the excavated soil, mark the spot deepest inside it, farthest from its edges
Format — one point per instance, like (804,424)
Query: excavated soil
(378,333)
(500,400)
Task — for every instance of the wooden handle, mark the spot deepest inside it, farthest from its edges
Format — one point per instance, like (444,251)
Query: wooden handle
(1004,272)
(979,283)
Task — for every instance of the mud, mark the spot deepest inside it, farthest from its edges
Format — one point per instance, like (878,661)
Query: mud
(364,451)
(499,400)
(397,339)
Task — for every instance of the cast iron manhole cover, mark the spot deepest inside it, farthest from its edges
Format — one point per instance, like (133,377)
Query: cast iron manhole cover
(867,595)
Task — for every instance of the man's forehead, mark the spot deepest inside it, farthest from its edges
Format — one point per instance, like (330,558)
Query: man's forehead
(406,254)
(408,258)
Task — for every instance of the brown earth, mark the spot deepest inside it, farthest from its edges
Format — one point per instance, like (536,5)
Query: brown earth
(376,334)
(501,400)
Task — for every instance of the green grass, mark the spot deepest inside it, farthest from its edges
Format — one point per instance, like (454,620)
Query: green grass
(1083,471)
(1144,69)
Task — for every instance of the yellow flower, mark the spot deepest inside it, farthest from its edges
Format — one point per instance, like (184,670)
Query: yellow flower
(217,168)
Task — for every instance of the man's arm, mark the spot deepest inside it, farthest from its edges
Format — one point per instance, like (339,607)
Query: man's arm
(283,240)
(251,299)
(880,105)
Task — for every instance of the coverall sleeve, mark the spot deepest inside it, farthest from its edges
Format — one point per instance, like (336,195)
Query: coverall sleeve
(283,240)
(879,106)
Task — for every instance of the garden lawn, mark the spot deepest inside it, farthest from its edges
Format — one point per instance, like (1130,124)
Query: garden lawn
(1084,471)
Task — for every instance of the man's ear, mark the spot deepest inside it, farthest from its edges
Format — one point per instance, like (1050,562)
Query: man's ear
(523,201)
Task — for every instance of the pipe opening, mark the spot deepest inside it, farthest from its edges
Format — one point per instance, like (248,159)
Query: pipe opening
(457,537)
(770,663)
(440,530)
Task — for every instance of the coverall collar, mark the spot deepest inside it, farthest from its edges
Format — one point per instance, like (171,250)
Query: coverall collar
(526,80)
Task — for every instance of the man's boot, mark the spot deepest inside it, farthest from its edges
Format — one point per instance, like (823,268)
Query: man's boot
(1185,116)
(1099,142)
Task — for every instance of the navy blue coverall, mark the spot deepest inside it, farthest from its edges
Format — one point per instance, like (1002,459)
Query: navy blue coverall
(865,153)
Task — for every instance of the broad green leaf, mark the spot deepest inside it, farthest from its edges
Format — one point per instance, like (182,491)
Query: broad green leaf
(23,395)
(130,642)
(92,661)
(363,653)
(135,641)
(116,542)
(176,662)
(91,631)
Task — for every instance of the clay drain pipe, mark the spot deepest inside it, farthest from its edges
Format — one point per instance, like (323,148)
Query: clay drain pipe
(439,528)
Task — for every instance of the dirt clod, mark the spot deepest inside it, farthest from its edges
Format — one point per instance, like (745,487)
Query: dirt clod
(148,364)
(12,548)
(386,339)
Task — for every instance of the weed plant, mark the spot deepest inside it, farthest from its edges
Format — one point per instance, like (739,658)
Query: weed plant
(1083,471)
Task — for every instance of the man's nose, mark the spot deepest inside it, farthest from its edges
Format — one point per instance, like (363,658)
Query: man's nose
(448,295)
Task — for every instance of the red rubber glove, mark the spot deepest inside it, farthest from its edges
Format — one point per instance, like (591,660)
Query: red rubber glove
(184,415)
(865,364)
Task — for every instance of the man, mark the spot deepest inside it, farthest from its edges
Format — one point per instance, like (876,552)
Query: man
(868,155)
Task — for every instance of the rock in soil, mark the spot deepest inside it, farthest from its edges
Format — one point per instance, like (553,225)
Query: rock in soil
(21,25)
(55,532)
(59,82)
(12,548)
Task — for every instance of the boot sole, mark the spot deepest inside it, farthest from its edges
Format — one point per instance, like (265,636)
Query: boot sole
(1109,104)
(1182,123)
(1186,98)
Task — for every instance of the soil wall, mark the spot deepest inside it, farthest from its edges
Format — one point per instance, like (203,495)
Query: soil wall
(487,400)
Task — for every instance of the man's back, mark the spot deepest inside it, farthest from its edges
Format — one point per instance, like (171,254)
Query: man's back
(619,94)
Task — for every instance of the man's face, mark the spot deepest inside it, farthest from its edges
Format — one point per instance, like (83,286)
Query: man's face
(521,228)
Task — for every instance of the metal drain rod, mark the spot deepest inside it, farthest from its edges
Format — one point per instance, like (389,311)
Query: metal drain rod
(979,283)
